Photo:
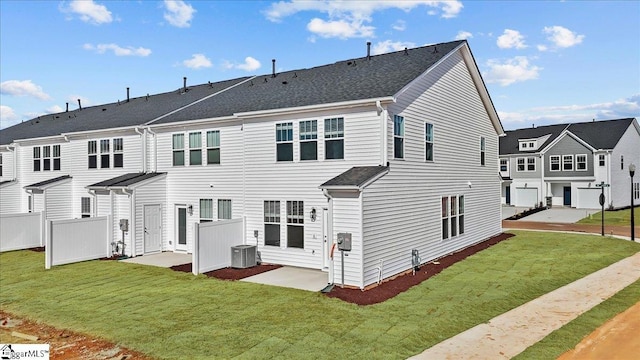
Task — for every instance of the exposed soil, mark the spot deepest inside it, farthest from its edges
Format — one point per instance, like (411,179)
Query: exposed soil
(63,344)
(581,228)
(230,273)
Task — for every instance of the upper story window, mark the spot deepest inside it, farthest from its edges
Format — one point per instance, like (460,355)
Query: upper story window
(206,210)
(92,154)
(56,157)
(92,151)
(567,162)
(428,141)
(178,149)
(531,164)
(334,138)
(104,154)
(621,162)
(554,162)
(46,158)
(520,164)
(581,162)
(118,153)
(601,161)
(195,148)
(36,158)
(224,209)
(309,140)
(398,137)
(482,150)
(526,164)
(504,165)
(213,147)
(284,142)
(0,164)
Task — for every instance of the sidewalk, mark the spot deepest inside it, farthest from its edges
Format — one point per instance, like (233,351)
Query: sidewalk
(507,335)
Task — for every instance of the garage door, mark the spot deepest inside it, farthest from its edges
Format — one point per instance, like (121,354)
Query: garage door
(589,198)
(526,197)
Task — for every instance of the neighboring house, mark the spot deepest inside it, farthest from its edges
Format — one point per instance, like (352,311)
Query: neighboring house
(564,163)
(400,150)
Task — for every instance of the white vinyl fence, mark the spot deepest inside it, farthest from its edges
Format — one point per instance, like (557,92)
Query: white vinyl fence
(213,242)
(21,231)
(76,240)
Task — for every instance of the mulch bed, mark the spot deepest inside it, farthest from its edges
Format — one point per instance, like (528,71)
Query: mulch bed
(230,273)
(391,288)
(38,249)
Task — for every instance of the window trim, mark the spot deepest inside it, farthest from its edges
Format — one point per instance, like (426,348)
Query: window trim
(483,149)
(213,146)
(336,135)
(37,156)
(558,158)
(506,165)
(398,135)
(196,147)
(225,205)
(452,217)
(602,161)
(105,153)
(56,157)
(92,151)
(85,212)
(272,218)
(295,219)
(524,164)
(118,152)
(176,150)
(308,135)
(428,142)
(586,166)
(564,162)
(284,136)
(202,214)
(529,163)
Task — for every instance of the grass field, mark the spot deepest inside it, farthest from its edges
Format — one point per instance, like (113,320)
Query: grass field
(175,315)
(618,217)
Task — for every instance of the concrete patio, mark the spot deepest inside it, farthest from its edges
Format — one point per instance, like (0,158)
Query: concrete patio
(292,277)
(164,259)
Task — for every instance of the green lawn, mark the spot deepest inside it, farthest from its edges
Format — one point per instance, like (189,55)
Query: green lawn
(175,315)
(618,217)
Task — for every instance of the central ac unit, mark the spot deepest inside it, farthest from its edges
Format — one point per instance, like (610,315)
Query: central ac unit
(243,256)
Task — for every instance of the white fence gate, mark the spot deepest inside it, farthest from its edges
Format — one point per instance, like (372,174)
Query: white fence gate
(21,231)
(76,240)
(213,242)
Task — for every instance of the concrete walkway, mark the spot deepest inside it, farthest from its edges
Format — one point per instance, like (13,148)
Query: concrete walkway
(507,335)
(163,259)
(292,277)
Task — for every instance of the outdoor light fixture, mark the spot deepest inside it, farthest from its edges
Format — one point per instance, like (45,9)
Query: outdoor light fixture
(190,209)
(312,215)
(632,171)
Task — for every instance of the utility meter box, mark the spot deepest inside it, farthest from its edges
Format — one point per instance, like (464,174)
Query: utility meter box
(344,241)
(124,224)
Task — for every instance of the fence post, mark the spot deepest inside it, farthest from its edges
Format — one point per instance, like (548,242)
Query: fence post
(109,235)
(48,249)
(195,263)
(43,229)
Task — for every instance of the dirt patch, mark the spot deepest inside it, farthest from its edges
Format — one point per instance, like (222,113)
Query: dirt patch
(580,228)
(393,287)
(230,273)
(63,344)
(617,338)
(37,249)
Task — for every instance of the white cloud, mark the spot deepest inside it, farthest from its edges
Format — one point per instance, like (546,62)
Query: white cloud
(250,64)
(178,14)
(88,11)
(510,71)
(197,61)
(351,18)
(118,50)
(8,117)
(54,109)
(388,46)
(23,88)
(511,39)
(73,101)
(562,37)
(542,48)
(399,25)
(463,35)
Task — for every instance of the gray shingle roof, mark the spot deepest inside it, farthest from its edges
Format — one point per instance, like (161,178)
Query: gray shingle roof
(39,185)
(355,177)
(124,180)
(603,134)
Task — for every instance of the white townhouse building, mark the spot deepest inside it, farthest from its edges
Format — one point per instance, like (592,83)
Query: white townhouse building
(565,163)
(400,150)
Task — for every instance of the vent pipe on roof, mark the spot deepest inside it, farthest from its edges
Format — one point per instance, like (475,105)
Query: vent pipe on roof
(368,50)
(406,51)
(67,107)
(435,49)
(79,104)
(127,94)
(184,84)
(273,68)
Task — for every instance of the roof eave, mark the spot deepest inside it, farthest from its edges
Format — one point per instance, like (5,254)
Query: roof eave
(317,107)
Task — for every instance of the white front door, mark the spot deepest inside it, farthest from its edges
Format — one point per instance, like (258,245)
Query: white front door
(326,239)
(181,228)
(152,229)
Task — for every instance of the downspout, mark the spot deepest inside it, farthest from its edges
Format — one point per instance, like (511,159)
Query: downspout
(132,224)
(30,202)
(95,202)
(331,274)
(143,135)
(361,240)
(155,149)
(383,120)
(543,185)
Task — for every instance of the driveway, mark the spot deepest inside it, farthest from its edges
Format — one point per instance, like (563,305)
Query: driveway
(559,215)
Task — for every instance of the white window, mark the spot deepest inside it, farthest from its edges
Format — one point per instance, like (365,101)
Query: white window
(178,149)
(92,152)
(532,145)
(334,138)
(104,154)
(601,161)
(206,210)
(531,164)
(272,223)
(621,162)
(398,137)
(0,164)
(581,162)
(482,150)
(85,207)
(195,148)
(36,158)
(567,162)
(520,164)
(118,153)
(452,213)
(445,217)
(224,209)
(428,142)
(56,157)
(46,158)
(213,147)
(554,162)
(295,224)
(284,142)
(504,165)
(461,214)
(636,192)
(309,140)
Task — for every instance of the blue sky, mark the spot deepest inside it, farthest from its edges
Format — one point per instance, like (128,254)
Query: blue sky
(544,62)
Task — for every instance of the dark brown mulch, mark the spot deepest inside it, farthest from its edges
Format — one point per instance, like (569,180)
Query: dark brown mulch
(230,273)
(402,283)
(38,249)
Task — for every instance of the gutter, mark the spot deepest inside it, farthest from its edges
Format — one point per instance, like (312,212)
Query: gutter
(316,107)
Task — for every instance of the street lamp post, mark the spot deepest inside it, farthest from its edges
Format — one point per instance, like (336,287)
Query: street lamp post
(632,171)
